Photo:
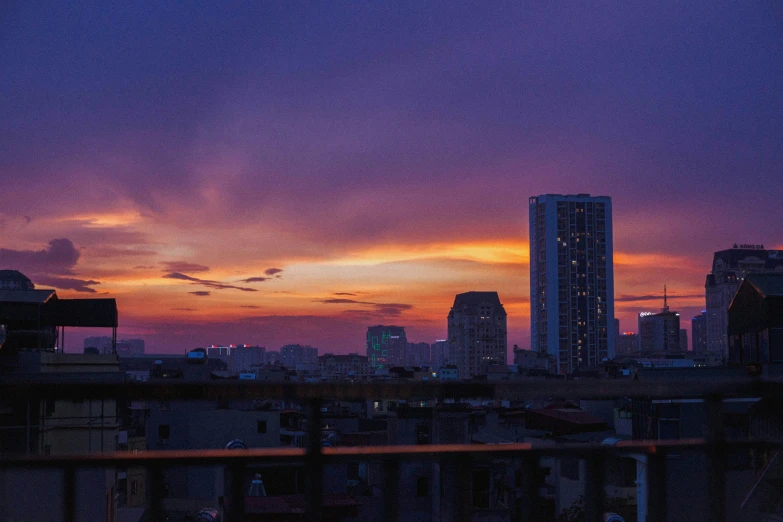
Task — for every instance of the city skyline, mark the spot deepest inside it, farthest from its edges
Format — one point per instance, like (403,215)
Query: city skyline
(309,173)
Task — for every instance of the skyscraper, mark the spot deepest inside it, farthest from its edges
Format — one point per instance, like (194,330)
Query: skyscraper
(572,279)
(729,268)
(699,333)
(683,340)
(477,332)
(293,354)
(386,346)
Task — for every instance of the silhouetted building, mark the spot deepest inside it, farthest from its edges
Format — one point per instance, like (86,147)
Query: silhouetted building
(571,279)
(756,320)
(439,353)
(729,268)
(351,366)
(699,333)
(659,332)
(386,346)
(418,354)
(683,340)
(15,280)
(103,343)
(477,332)
(627,344)
(293,354)
(272,357)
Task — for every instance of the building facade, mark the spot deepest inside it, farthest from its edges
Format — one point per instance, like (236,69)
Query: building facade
(386,346)
(627,344)
(418,354)
(572,279)
(660,332)
(351,366)
(15,280)
(293,354)
(729,268)
(477,332)
(699,333)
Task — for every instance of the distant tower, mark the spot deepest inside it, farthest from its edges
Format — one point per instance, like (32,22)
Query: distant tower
(699,333)
(660,332)
(386,346)
(477,332)
(571,279)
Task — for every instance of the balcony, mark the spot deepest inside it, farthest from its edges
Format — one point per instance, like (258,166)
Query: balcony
(458,481)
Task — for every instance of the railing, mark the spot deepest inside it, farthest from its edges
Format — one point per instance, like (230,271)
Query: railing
(525,456)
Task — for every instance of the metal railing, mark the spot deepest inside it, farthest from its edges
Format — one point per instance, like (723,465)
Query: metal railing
(525,457)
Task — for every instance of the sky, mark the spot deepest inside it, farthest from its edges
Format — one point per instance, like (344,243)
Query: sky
(281,172)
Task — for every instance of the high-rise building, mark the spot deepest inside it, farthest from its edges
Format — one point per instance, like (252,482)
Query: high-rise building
(15,280)
(439,353)
(627,344)
(477,332)
(683,340)
(386,346)
(729,268)
(418,354)
(659,332)
(246,356)
(699,333)
(293,354)
(572,279)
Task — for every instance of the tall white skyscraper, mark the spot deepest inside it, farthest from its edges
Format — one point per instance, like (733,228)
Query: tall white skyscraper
(571,279)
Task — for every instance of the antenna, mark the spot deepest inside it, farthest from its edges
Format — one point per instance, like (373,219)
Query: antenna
(665,299)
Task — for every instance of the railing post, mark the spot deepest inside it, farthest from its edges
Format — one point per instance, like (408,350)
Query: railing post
(656,486)
(528,471)
(69,493)
(157,492)
(315,466)
(237,493)
(463,501)
(594,488)
(716,459)
(391,468)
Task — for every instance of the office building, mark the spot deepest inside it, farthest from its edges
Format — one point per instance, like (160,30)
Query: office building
(683,340)
(246,356)
(659,332)
(627,344)
(293,354)
(699,333)
(477,332)
(439,353)
(571,279)
(386,346)
(729,268)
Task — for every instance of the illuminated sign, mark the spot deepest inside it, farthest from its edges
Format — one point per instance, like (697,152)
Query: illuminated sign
(749,247)
(646,314)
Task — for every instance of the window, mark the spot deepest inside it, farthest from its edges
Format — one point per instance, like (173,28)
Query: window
(261,426)
(422,487)
(163,433)
(134,487)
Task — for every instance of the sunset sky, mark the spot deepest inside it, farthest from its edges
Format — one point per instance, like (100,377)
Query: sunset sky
(277,172)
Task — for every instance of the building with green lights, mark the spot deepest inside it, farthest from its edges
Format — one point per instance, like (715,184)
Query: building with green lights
(386,346)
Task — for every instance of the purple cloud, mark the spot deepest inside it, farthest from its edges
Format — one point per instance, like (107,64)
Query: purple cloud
(255,279)
(200,293)
(66,283)
(59,258)
(217,285)
(183,266)
(272,271)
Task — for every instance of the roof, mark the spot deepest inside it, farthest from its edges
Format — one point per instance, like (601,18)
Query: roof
(13,275)
(25,296)
(569,415)
(84,312)
(477,298)
(768,285)
(733,256)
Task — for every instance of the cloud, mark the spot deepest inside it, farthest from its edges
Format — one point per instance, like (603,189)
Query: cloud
(183,266)
(653,297)
(66,283)
(200,293)
(387,309)
(272,271)
(143,267)
(207,282)
(59,258)
(254,279)
(345,293)
(249,306)
(186,309)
